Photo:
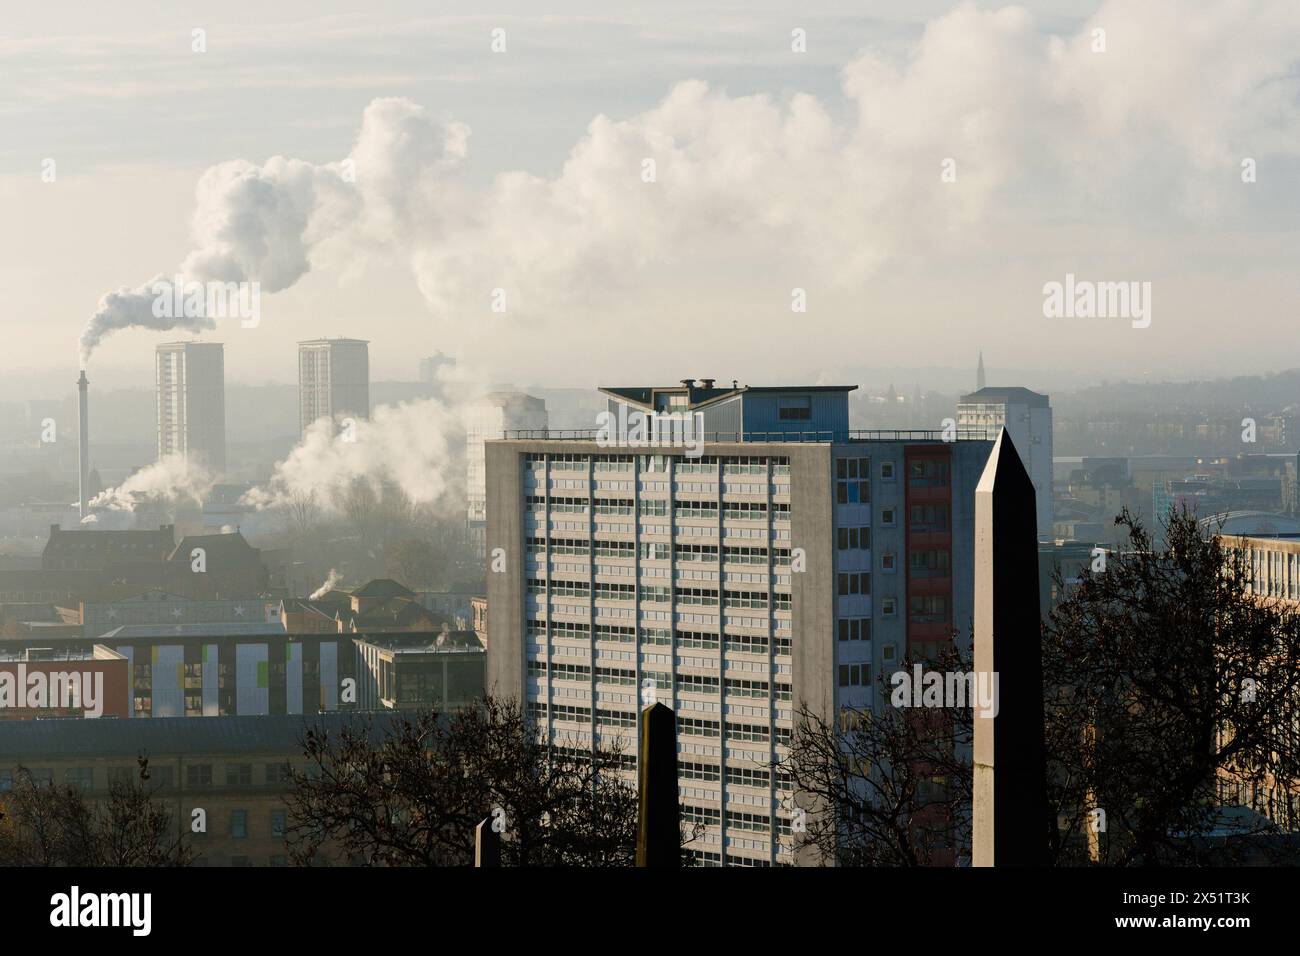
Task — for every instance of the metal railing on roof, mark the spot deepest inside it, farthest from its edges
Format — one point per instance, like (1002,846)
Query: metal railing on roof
(797,437)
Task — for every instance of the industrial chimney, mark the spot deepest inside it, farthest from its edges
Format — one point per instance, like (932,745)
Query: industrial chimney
(83,446)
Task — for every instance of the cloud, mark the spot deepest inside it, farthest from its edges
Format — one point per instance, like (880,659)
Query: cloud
(791,189)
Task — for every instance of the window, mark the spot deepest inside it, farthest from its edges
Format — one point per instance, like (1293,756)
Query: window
(928,607)
(888,563)
(889,517)
(855,629)
(930,563)
(927,473)
(889,606)
(198,775)
(928,518)
(239,775)
(42,777)
(126,776)
(855,675)
(852,484)
(238,824)
(277,823)
(278,773)
(887,652)
(83,778)
(853,539)
(886,471)
(796,408)
(854,582)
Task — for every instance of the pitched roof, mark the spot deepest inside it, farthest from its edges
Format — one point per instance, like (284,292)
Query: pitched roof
(383,587)
(221,546)
(109,545)
(995,394)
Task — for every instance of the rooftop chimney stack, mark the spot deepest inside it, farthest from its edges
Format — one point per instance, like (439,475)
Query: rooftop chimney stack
(83,446)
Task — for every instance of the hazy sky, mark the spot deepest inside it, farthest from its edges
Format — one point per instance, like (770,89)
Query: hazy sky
(774,170)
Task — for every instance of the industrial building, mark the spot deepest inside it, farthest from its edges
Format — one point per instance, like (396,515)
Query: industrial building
(237,770)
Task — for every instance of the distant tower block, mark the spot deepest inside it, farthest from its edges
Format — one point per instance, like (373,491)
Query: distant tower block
(1011,821)
(191,401)
(333,380)
(979,374)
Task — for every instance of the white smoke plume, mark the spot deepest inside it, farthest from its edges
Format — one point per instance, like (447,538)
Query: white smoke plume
(331,582)
(796,187)
(171,479)
(250,224)
(415,447)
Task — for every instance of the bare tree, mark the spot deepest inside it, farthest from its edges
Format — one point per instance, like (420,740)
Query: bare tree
(409,790)
(56,825)
(302,515)
(1169,685)
(884,788)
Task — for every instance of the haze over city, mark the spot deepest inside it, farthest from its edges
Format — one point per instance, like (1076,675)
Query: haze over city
(777,170)
(625,438)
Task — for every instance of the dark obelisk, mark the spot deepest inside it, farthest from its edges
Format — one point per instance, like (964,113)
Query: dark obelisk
(658,828)
(487,844)
(1011,821)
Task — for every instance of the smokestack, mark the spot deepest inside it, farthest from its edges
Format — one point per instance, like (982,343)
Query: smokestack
(83,445)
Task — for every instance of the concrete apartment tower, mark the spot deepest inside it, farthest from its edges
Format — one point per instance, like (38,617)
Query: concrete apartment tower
(333,380)
(191,402)
(1027,417)
(786,561)
(488,419)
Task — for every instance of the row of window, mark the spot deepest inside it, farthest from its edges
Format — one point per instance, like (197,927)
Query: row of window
(655,507)
(160,776)
(731,464)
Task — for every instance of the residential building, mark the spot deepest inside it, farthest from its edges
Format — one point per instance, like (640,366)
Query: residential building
(492,417)
(787,561)
(191,402)
(1027,417)
(333,380)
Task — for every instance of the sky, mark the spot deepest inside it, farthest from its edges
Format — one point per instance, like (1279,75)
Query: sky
(619,193)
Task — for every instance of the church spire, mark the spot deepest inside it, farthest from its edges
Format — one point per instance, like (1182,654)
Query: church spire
(979,372)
